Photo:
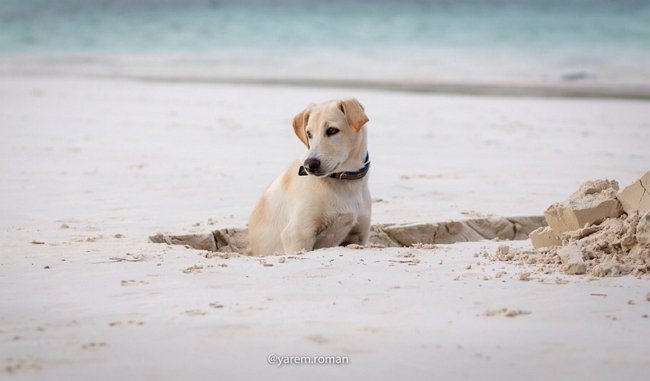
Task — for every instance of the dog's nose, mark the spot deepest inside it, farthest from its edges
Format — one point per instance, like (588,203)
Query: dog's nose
(312,164)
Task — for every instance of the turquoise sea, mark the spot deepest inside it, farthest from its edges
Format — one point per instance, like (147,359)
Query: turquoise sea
(466,41)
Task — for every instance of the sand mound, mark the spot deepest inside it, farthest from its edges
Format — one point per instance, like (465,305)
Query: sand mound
(235,240)
(592,202)
(617,246)
(591,233)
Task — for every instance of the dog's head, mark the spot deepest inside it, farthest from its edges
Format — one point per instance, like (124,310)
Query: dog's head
(330,131)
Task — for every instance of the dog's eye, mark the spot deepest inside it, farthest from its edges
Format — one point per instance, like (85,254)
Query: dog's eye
(308,134)
(331,131)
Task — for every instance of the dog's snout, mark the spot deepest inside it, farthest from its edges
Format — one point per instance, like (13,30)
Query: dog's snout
(312,164)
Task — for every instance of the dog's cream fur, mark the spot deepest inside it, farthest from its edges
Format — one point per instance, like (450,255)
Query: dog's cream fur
(309,212)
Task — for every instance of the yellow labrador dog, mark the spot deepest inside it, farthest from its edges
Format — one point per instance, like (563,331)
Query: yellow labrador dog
(321,200)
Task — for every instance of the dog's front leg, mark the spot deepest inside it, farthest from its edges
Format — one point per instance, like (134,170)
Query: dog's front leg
(336,230)
(296,238)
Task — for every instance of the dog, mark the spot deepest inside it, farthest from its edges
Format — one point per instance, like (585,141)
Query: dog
(321,200)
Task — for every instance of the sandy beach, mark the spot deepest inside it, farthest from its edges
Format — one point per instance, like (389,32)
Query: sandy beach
(92,167)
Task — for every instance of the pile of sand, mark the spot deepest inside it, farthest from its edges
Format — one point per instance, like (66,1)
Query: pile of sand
(598,231)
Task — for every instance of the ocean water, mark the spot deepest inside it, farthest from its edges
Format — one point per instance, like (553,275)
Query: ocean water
(490,41)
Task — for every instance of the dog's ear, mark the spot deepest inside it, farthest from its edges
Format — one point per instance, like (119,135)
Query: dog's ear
(300,123)
(353,111)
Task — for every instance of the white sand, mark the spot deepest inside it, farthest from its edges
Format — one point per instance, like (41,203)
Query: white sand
(107,156)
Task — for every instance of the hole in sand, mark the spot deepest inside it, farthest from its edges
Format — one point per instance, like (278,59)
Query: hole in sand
(235,240)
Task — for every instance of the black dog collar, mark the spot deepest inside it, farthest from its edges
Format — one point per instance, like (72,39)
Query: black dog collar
(356,175)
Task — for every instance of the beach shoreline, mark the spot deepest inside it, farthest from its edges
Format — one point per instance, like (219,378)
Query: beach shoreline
(200,74)
(93,166)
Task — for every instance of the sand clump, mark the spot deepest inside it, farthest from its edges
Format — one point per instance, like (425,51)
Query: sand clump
(636,196)
(593,202)
(597,231)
